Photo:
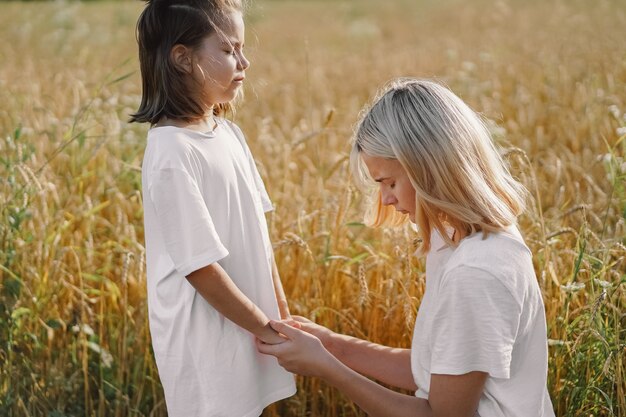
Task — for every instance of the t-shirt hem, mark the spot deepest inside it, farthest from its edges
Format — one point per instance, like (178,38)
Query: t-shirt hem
(267,207)
(202,260)
(272,398)
(420,394)
(447,370)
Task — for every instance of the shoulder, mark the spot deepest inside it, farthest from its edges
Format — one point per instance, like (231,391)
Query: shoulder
(169,139)
(170,147)
(234,130)
(232,126)
(491,250)
(501,257)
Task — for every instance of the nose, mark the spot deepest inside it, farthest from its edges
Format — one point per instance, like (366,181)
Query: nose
(242,62)
(387,198)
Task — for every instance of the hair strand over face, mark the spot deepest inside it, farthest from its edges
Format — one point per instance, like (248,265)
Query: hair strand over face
(167,90)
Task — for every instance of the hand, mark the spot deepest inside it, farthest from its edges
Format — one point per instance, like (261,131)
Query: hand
(322,333)
(292,322)
(301,353)
(270,336)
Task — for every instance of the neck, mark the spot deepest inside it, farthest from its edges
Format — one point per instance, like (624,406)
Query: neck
(458,235)
(455,232)
(205,124)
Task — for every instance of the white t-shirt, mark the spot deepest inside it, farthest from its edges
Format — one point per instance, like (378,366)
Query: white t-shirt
(483,311)
(204,202)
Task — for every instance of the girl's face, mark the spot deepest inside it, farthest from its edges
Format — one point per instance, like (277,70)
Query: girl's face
(219,63)
(395,187)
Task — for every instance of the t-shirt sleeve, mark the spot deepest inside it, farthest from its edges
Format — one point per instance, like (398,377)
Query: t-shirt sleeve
(475,324)
(258,181)
(184,220)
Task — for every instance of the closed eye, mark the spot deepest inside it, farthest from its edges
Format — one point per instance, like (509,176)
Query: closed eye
(232,46)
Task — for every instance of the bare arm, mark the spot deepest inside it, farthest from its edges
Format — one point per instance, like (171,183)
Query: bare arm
(215,286)
(449,396)
(283,306)
(386,364)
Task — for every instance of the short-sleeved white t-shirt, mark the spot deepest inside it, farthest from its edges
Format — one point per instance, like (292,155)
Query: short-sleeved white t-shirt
(483,311)
(204,202)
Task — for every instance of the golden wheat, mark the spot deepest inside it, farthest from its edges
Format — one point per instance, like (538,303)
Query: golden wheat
(551,76)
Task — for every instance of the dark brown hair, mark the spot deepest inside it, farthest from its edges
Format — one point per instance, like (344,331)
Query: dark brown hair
(167,91)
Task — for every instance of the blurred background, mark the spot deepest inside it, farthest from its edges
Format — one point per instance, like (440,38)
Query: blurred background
(550,76)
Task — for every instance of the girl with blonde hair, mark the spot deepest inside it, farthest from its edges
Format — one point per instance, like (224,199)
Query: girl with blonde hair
(479,343)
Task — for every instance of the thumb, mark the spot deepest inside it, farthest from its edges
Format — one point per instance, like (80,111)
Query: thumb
(292,323)
(300,319)
(285,329)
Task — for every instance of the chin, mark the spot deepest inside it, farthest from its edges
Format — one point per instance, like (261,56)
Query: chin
(228,96)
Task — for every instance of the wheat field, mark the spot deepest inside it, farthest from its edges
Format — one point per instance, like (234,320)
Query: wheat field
(550,76)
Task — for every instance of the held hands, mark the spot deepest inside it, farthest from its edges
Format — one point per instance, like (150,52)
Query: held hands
(300,353)
(269,336)
(322,333)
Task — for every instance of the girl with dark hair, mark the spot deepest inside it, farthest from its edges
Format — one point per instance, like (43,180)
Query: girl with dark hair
(212,281)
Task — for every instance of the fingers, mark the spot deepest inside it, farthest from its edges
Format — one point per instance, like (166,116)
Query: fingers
(300,319)
(293,323)
(285,329)
(307,325)
(266,348)
(286,333)
(301,353)
(281,353)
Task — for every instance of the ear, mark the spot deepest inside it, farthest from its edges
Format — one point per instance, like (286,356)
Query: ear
(181,57)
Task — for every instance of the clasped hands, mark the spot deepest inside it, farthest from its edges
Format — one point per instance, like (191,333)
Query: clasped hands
(303,350)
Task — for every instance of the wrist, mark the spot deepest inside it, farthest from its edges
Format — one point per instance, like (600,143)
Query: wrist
(326,365)
(333,343)
(332,370)
(270,336)
(283,308)
(263,330)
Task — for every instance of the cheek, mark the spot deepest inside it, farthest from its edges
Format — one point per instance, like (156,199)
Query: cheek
(409,196)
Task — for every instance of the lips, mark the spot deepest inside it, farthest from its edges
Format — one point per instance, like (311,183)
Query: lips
(239,79)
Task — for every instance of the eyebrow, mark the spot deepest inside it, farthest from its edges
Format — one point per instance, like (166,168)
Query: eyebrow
(231,42)
(381,179)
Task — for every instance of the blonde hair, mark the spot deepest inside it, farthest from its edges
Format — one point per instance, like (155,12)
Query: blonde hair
(448,155)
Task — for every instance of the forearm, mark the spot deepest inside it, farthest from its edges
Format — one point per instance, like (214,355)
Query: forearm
(450,395)
(386,364)
(218,289)
(283,306)
(305,354)
(375,399)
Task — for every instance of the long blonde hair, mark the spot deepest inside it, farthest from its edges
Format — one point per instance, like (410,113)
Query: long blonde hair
(448,155)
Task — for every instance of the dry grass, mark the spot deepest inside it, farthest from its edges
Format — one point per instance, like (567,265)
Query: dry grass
(551,75)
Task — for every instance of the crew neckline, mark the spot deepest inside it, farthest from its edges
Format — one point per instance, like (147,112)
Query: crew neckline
(209,133)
